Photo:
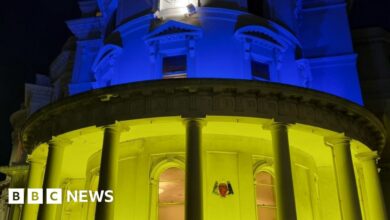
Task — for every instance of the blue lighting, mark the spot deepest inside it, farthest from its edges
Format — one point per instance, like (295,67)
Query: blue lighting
(306,45)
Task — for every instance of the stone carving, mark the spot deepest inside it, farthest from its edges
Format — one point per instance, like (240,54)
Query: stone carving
(304,70)
(104,65)
(205,97)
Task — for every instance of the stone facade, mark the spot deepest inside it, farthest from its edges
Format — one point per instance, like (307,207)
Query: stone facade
(224,94)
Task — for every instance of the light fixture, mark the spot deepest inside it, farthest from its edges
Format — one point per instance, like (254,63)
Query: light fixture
(191,9)
(157,15)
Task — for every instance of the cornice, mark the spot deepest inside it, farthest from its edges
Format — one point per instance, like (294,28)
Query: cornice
(330,61)
(219,97)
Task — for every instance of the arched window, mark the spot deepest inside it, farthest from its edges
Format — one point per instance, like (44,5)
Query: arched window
(171,197)
(265,196)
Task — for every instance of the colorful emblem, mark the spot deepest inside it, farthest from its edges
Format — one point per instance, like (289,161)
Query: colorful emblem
(223,189)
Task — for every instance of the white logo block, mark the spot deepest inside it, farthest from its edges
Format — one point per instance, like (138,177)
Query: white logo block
(15,196)
(34,196)
(53,196)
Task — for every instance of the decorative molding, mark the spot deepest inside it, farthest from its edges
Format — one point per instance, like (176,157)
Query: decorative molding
(263,165)
(332,61)
(161,164)
(15,171)
(319,6)
(59,142)
(172,31)
(86,28)
(104,65)
(304,70)
(222,97)
(262,37)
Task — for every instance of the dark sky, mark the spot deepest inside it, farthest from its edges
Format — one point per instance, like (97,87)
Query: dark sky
(32,33)
(368,13)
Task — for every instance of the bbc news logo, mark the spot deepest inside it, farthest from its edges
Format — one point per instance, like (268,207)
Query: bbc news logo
(54,196)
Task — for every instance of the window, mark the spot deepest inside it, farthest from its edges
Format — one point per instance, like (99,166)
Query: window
(171,194)
(256,7)
(259,7)
(260,70)
(176,8)
(174,66)
(170,4)
(265,196)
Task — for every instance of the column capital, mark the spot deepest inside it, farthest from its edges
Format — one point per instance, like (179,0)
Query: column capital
(368,156)
(56,142)
(34,159)
(275,125)
(332,141)
(95,171)
(117,126)
(200,121)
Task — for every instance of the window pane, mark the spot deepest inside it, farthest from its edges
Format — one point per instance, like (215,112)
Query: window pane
(260,70)
(171,212)
(264,178)
(171,194)
(175,65)
(266,213)
(265,196)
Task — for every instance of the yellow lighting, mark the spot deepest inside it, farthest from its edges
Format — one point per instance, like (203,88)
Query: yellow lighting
(234,150)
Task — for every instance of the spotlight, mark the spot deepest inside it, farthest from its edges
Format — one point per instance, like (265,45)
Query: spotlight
(191,9)
(157,15)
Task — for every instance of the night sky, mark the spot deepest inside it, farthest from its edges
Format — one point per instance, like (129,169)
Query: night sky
(32,33)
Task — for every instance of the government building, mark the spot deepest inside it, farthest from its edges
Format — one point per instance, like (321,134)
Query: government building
(208,110)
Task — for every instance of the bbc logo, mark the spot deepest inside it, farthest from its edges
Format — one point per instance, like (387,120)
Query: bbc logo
(34,196)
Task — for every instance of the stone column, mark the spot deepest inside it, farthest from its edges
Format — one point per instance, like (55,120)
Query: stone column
(30,211)
(17,177)
(285,200)
(52,178)
(16,212)
(345,177)
(373,188)
(108,170)
(193,204)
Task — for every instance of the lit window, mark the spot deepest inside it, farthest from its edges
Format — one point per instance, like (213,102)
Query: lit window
(174,67)
(260,70)
(171,195)
(169,4)
(265,196)
(176,8)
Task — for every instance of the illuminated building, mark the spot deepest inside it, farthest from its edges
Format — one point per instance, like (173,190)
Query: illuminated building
(206,110)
